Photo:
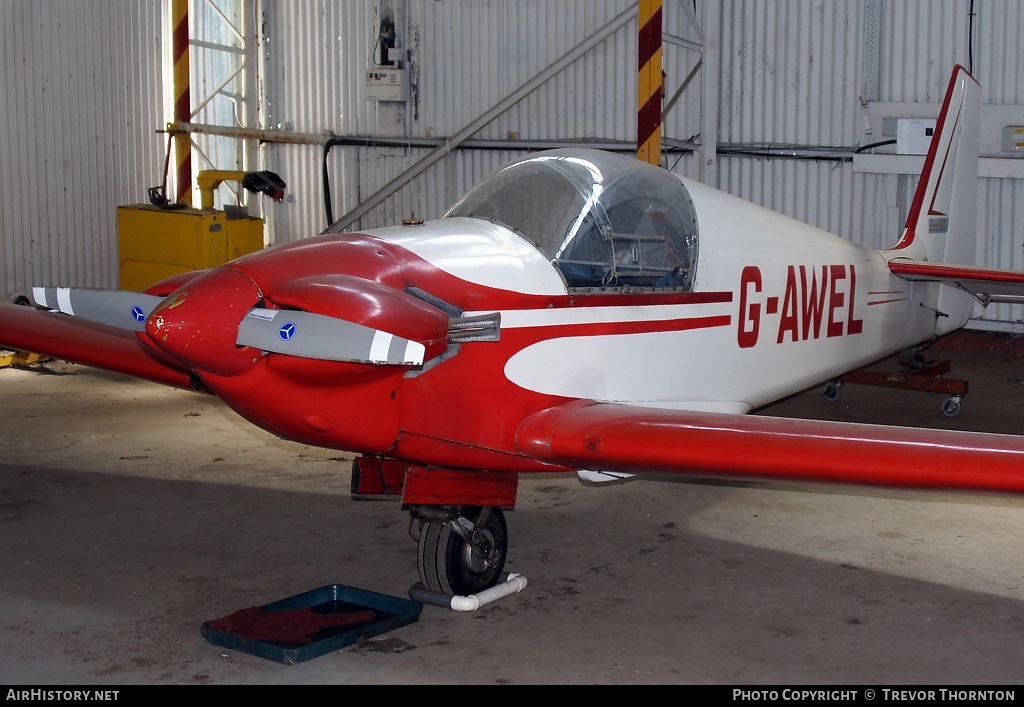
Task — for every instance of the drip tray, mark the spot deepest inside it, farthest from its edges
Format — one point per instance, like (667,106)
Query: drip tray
(312,624)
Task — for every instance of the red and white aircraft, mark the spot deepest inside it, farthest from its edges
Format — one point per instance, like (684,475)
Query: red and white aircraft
(576,310)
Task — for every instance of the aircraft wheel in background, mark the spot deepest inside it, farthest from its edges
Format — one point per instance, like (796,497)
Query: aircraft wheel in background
(951,405)
(832,390)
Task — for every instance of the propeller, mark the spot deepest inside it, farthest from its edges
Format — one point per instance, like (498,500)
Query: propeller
(318,336)
(116,308)
(195,325)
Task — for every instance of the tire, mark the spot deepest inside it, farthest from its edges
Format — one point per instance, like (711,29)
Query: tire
(951,406)
(832,391)
(447,564)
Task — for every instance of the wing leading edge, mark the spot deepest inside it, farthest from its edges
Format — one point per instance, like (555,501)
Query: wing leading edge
(620,438)
(85,342)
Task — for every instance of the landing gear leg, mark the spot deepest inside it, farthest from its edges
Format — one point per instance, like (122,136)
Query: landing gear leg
(461,548)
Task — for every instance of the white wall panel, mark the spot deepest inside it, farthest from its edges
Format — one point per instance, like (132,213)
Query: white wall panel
(80,101)
(789,72)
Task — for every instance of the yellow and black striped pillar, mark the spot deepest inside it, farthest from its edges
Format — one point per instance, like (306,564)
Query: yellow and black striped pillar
(648,122)
(182,101)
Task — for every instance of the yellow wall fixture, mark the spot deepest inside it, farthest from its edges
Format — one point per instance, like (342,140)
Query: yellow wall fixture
(257,182)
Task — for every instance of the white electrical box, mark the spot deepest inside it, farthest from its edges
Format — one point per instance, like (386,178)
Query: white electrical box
(914,135)
(1013,138)
(387,84)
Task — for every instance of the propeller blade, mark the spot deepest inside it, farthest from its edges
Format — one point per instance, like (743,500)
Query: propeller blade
(326,338)
(116,308)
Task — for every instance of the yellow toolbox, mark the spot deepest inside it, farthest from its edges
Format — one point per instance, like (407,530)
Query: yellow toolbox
(155,243)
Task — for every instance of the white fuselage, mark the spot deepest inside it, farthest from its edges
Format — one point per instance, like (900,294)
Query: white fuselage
(796,306)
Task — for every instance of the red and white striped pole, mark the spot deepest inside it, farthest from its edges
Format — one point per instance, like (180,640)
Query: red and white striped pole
(182,101)
(648,124)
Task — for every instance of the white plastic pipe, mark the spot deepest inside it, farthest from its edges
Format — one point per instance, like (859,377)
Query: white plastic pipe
(515,583)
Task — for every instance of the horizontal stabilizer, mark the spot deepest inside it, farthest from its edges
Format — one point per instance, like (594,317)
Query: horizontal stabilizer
(988,284)
(309,335)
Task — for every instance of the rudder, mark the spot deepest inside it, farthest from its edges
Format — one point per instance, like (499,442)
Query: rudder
(942,223)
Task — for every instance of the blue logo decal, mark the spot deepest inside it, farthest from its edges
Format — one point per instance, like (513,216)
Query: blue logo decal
(138,314)
(287,331)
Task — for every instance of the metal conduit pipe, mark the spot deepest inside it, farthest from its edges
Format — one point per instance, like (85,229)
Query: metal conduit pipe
(513,584)
(672,147)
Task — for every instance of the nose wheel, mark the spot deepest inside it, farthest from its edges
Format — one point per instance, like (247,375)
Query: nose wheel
(461,549)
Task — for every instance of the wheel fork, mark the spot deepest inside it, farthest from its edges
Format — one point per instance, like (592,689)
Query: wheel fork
(452,518)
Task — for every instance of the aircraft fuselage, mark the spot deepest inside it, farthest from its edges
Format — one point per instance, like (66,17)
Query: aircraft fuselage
(776,306)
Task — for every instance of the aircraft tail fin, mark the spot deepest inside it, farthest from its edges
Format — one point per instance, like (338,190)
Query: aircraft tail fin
(942,223)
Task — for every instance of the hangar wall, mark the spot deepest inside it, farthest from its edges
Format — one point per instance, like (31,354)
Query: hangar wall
(795,73)
(465,57)
(791,74)
(81,97)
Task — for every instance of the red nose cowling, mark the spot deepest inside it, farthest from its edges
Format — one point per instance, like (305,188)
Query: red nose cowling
(345,405)
(198,324)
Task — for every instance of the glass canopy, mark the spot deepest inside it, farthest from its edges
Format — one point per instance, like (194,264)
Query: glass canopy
(605,221)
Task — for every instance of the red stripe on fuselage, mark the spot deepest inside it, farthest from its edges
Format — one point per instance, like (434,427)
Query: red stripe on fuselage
(558,331)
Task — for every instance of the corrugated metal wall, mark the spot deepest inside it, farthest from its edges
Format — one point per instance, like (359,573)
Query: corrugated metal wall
(791,73)
(81,96)
(795,73)
(465,57)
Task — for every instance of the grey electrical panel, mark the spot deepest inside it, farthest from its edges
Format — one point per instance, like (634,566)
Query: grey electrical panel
(1013,138)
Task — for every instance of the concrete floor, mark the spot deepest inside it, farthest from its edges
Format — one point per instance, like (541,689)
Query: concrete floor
(130,514)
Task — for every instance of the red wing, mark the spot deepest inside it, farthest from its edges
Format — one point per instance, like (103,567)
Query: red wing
(88,343)
(993,283)
(621,438)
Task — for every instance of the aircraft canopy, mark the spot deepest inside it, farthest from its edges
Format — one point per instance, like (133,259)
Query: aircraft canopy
(605,221)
